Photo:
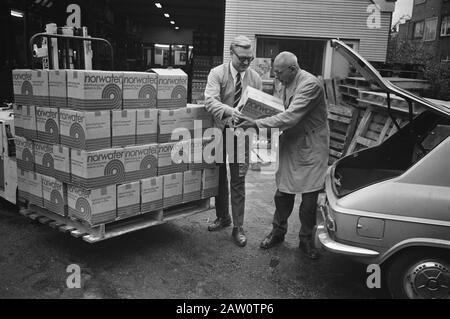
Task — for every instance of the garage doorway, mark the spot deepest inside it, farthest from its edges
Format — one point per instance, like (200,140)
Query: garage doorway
(310,52)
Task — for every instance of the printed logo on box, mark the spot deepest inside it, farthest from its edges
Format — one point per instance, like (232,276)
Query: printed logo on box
(140,161)
(55,195)
(139,90)
(94,90)
(47,124)
(24,154)
(94,206)
(151,194)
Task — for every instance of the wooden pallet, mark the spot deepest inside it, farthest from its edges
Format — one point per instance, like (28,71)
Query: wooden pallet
(374,127)
(93,234)
(342,120)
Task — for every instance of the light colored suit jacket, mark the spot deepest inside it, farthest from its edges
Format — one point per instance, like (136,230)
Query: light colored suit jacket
(303,155)
(219,92)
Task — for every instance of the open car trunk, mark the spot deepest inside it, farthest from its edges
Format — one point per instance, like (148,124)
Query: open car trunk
(393,157)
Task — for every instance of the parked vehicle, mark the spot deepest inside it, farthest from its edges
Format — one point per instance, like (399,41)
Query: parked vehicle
(390,204)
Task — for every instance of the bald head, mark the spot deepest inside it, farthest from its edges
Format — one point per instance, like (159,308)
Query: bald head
(285,59)
(285,67)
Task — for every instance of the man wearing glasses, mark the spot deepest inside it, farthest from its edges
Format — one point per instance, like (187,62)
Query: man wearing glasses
(223,92)
(303,150)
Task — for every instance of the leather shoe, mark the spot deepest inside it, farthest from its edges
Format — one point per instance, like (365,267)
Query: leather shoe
(239,236)
(219,223)
(271,240)
(308,249)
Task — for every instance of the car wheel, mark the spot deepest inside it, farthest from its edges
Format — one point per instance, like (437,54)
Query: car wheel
(420,274)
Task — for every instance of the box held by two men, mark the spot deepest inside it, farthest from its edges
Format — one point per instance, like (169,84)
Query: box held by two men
(172,88)
(94,90)
(87,130)
(151,194)
(128,199)
(95,206)
(257,104)
(139,90)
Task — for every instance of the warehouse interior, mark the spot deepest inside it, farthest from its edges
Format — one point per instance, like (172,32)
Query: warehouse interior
(143,34)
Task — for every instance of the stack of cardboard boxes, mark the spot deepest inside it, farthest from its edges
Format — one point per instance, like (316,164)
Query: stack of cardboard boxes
(101,146)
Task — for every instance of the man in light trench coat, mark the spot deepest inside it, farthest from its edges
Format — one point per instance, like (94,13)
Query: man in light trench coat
(303,156)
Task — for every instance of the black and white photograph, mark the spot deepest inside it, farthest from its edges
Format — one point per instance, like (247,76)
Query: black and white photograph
(225,157)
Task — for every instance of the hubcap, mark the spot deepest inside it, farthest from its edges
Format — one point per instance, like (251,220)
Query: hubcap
(427,280)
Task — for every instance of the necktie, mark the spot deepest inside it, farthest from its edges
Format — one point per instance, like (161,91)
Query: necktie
(237,90)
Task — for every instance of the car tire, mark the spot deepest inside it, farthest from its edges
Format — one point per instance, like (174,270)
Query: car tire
(420,274)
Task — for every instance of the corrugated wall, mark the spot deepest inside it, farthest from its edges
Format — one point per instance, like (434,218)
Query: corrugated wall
(345,19)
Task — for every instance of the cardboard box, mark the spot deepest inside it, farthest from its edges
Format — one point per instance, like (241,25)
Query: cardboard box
(95,169)
(173,190)
(210,182)
(185,120)
(54,195)
(139,90)
(29,121)
(202,119)
(18,122)
(172,88)
(201,159)
(34,189)
(85,130)
(22,87)
(96,206)
(140,161)
(57,87)
(146,126)
(257,104)
(31,87)
(128,199)
(24,154)
(167,123)
(47,124)
(151,194)
(61,163)
(168,153)
(94,90)
(22,185)
(123,127)
(52,160)
(192,186)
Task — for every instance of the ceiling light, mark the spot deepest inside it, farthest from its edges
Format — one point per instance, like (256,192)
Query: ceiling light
(17,14)
(158,5)
(176,28)
(172,22)
(166,15)
(49,4)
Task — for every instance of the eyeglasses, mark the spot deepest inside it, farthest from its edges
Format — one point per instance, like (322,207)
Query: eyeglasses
(243,59)
(277,73)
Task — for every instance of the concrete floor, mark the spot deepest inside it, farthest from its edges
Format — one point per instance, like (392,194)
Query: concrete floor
(180,259)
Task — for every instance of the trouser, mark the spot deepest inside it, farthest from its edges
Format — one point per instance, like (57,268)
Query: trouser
(284,203)
(237,184)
